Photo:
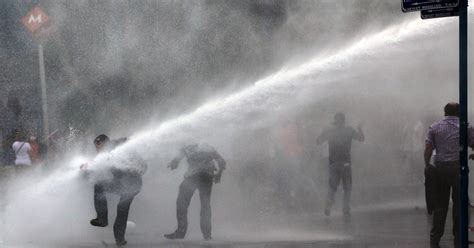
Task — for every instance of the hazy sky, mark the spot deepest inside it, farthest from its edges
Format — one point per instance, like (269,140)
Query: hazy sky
(159,53)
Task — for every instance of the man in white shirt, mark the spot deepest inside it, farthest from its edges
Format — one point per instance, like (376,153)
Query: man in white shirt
(22,150)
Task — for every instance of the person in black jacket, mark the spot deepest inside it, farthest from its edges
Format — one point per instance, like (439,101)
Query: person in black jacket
(201,175)
(126,182)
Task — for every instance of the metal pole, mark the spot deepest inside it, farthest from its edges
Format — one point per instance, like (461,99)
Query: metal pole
(43,94)
(464,170)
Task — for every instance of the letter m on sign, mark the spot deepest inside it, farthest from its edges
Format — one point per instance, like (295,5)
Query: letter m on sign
(35,19)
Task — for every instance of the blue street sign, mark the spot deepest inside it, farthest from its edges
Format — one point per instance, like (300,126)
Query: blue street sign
(417,5)
(438,13)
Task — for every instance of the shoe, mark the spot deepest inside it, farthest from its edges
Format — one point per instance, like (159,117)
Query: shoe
(121,242)
(327,212)
(347,217)
(99,222)
(433,245)
(208,238)
(174,235)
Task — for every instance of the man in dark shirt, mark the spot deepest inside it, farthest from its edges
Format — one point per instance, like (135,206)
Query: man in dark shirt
(200,175)
(125,182)
(339,138)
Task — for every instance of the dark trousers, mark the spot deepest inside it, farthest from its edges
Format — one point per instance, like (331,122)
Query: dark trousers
(446,180)
(338,172)
(203,183)
(123,207)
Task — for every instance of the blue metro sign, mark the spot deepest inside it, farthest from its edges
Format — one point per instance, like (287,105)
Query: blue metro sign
(417,5)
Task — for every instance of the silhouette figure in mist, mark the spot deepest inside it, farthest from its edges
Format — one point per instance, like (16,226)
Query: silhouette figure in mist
(339,138)
(200,175)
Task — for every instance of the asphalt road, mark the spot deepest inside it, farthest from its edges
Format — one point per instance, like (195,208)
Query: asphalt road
(394,227)
(403,224)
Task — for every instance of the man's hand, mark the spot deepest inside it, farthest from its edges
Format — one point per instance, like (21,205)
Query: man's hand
(217,177)
(429,166)
(428,169)
(84,172)
(84,166)
(173,165)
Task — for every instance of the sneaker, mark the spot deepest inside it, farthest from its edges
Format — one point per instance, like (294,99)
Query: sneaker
(434,245)
(121,242)
(174,235)
(208,238)
(347,217)
(327,211)
(99,222)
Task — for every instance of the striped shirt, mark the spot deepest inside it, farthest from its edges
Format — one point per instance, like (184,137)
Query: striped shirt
(444,137)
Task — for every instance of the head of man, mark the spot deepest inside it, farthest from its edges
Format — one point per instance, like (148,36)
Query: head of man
(451,109)
(339,120)
(20,136)
(101,142)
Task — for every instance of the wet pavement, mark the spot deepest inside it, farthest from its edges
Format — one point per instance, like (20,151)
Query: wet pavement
(400,224)
(403,227)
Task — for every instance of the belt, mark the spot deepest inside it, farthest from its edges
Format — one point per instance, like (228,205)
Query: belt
(447,163)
